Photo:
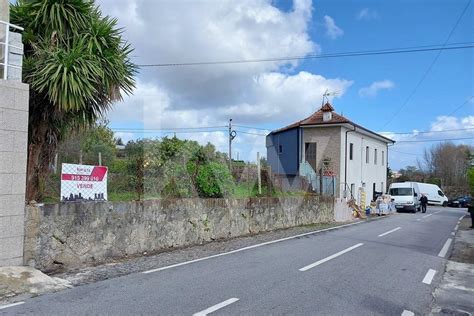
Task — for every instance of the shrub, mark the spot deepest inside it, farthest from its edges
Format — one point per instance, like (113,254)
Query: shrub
(214,180)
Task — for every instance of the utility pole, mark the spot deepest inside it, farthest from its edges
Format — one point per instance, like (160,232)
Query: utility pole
(80,157)
(100,159)
(259,178)
(232,135)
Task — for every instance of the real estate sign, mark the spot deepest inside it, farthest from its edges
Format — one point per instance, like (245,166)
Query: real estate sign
(83,183)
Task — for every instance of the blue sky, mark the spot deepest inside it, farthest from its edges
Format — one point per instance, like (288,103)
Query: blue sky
(272,95)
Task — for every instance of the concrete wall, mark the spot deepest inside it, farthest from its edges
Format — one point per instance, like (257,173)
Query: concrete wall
(328,145)
(13,147)
(68,235)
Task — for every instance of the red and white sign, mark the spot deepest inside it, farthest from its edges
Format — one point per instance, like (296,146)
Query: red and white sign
(83,183)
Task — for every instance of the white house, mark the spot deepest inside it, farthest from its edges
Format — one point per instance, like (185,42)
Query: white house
(330,144)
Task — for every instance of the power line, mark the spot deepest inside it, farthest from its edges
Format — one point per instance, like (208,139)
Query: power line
(416,49)
(425,75)
(429,132)
(252,127)
(432,140)
(250,133)
(401,152)
(167,129)
(459,107)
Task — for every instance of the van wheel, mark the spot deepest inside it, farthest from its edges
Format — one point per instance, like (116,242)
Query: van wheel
(445,204)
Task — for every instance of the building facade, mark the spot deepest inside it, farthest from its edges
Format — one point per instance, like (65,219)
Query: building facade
(329,144)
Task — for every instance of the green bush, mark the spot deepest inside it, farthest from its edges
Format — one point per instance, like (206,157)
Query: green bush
(214,180)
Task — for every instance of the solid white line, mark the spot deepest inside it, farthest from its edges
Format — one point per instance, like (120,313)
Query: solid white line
(317,263)
(445,248)
(427,216)
(390,231)
(429,276)
(249,247)
(216,307)
(11,305)
(407,313)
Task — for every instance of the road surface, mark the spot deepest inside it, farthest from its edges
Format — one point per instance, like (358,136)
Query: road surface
(387,266)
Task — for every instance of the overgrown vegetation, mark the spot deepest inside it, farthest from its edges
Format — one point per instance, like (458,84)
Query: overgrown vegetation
(159,168)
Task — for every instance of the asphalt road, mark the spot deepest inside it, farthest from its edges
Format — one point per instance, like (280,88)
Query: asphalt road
(388,266)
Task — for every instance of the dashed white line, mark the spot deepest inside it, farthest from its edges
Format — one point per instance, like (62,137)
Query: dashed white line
(407,313)
(429,276)
(389,232)
(453,233)
(460,218)
(216,307)
(445,248)
(456,227)
(247,248)
(11,305)
(317,263)
(427,216)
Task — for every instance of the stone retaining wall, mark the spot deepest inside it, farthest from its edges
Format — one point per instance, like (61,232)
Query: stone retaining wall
(70,235)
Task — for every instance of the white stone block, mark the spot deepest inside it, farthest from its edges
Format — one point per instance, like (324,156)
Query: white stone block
(20,142)
(11,204)
(6,161)
(6,183)
(11,247)
(6,140)
(7,97)
(18,182)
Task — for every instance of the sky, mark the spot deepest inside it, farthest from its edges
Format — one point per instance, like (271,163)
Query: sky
(384,93)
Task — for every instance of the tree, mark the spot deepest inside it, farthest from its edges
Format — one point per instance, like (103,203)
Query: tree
(76,64)
(448,162)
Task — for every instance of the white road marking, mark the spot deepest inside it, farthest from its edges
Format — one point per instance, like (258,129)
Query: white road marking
(390,231)
(11,305)
(407,313)
(317,263)
(427,216)
(429,276)
(456,227)
(445,248)
(216,307)
(460,218)
(437,212)
(247,248)
(419,219)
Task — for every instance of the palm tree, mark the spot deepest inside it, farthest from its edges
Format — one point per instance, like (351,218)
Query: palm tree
(77,65)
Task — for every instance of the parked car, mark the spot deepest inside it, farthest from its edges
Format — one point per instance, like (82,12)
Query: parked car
(461,201)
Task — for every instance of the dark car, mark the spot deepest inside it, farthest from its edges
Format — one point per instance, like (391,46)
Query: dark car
(461,201)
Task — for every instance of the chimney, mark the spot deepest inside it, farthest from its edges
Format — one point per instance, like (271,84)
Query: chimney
(327,112)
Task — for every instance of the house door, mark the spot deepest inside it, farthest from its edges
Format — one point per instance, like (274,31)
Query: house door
(310,154)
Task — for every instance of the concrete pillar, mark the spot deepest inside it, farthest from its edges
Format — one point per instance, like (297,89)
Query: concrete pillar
(13,152)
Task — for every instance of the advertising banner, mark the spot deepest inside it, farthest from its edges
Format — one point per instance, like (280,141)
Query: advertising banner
(83,183)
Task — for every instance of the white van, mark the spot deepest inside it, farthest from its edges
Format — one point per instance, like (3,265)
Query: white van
(406,196)
(433,193)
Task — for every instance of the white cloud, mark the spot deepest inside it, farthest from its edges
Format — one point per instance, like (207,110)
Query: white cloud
(375,87)
(406,151)
(367,14)
(267,93)
(332,30)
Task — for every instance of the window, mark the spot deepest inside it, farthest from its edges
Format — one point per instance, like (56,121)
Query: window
(383,157)
(401,191)
(375,156)
(367,154)
(440,193)
(280,149)
(310,154)
(351,151)
(353,188)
